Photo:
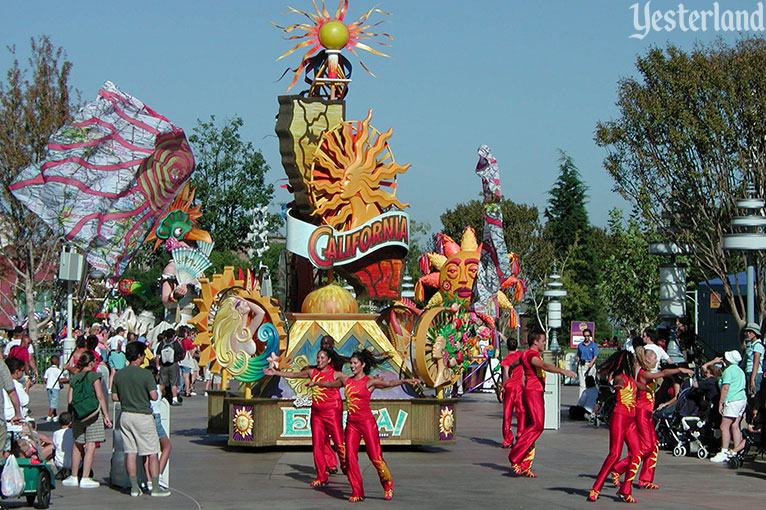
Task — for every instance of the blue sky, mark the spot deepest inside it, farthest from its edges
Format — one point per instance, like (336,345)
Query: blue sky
(524,77)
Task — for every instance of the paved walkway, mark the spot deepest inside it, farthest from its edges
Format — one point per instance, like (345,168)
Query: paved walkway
(206,474)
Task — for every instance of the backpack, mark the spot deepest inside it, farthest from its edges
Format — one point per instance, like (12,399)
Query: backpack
(84,401)
(167,354)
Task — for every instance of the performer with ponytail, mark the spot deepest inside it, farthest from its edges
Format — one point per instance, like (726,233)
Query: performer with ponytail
(523,452)
(326,415)
(646,360)
(360,423)
(337,361)
(622,426)
(512,390)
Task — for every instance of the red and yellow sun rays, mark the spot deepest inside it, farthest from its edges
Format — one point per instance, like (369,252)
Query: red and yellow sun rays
(336,35)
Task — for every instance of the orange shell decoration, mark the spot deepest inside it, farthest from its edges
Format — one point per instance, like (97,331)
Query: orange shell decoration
(330,299)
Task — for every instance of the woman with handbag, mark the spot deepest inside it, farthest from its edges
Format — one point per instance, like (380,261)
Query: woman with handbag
(88,407)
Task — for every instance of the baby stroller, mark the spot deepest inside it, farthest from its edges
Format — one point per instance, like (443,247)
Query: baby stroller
(753,448)
(38,475)
(604,404)
(688,429)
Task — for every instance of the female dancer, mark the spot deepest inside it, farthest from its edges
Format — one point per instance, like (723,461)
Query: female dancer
(360,423)
(646,360)
(326,415)
(622,425)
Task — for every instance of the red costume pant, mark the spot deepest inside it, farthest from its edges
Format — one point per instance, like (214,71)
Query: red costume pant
(327,420)
(358,428)
(523,452)
(512,403)
(649,447)
(622,429)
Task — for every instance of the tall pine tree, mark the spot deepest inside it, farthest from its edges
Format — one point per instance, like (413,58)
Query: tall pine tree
(566,214)
(579,244)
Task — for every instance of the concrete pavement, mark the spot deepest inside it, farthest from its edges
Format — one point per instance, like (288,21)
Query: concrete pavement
(207,474)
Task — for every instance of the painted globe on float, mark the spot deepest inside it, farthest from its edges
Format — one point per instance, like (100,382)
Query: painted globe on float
(330,299)
(333,35)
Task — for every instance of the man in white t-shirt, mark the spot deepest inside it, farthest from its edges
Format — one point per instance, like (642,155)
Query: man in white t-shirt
(662,356)
(117,341)
(18,333)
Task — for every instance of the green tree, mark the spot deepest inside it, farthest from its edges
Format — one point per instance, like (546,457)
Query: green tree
(230,181)
(566,214)
(630,274)
(689,136)
(420,242)
(34,103)
(578,243)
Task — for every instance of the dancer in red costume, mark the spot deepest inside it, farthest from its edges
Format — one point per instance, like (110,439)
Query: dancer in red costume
(326,415)
(512,389)
(646,360)
(360,423)
(622,425)
(523,452)
(327,342)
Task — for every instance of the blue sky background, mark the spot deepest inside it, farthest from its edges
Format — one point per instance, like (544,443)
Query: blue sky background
(525,78)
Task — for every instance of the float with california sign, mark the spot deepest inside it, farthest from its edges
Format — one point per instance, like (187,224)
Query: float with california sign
(324,246)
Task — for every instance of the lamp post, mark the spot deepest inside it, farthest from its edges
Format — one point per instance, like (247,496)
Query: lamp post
(70,270)
(554,292)
(750,241)
(672,291)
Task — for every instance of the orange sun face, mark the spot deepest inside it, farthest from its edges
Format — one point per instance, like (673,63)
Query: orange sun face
(331,33)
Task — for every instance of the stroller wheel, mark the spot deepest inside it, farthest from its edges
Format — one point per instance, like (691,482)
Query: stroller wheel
(735,462)
(679,451)
(702,453)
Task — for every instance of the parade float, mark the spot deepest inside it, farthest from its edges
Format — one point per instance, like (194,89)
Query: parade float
(345,223)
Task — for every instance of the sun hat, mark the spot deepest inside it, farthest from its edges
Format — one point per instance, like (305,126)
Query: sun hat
(754,327)
(733,357)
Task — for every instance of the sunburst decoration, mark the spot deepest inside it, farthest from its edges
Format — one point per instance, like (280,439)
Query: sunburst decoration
(352,165)
(207,305)
(446,421)
(243,422)
(334,34)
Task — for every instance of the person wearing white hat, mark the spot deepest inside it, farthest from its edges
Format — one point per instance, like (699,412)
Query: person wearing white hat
(754,357)
(732,404)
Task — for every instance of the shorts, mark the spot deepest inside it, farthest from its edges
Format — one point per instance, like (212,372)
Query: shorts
(734,409)
(170,375)
(158,425)
(53,398)
(90,430)
(139,433)
(184,370)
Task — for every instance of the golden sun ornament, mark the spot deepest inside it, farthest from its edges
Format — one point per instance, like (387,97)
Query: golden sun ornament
(243,422)
(332,33)
(352,165)
(446,421)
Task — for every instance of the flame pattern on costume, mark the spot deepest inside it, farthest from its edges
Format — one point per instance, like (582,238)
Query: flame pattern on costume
(361,425)
(627,395)
(647,436)
(326,422)
(622,430)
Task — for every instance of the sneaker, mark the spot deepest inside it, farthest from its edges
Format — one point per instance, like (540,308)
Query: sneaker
(71,481)
(134,493)
(89,483)
(149,486)
(160,493)
(721,456)
(48,419)
(55,419)
(193,393)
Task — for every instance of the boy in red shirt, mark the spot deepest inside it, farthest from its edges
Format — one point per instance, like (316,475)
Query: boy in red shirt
(513,384)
